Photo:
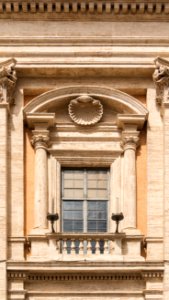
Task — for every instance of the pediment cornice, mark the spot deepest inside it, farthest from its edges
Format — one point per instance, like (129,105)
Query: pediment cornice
(110,10)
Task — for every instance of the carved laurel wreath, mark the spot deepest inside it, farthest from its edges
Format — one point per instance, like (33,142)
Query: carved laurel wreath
(85,110)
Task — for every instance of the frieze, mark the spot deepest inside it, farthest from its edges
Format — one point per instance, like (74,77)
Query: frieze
(28,276)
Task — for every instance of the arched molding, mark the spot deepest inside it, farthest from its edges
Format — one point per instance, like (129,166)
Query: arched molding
(41,118)
(120,102)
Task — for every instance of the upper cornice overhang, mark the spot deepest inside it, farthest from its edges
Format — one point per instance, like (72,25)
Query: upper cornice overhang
(117,10)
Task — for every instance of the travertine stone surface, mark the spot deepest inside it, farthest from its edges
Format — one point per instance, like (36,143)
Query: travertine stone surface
(154,177)
(3,201)
(166,199)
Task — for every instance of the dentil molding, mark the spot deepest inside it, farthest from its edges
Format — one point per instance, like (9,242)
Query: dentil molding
(38,276)
(86,9)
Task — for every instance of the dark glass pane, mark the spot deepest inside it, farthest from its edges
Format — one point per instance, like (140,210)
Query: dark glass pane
(72,215)
(72,205)
(91,226)
(102,226)
(72,225)
(97,226)
(67,225)
(97,215)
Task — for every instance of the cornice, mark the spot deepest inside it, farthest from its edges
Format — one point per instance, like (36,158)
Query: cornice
(126,10)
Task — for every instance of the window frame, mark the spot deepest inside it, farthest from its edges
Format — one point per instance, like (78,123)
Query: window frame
(86,199)
(113,162)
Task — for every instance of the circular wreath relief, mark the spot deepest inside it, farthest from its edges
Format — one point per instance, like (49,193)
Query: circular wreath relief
(85,110)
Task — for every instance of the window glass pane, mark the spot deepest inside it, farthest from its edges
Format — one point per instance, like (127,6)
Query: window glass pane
(72,205)
(97,216)
(73,174)
(97,205)
(72,226)
(72,215)
(73,184)
(97,184)
(73,194)
(84,189)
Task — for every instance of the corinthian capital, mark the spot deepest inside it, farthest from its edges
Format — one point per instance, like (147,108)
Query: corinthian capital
(161,80)
(40,138)
(7,81)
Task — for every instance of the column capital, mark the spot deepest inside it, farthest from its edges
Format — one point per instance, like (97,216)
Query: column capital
(130,140)
(40,139)
(161,80)
(39,123)
(7,81)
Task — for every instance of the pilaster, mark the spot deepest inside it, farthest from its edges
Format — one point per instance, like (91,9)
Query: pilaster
(161,79)
(7,84)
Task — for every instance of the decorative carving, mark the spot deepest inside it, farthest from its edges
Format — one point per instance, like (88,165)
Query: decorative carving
(40,139)
(130,140)
(85,110)
(161,80)
(7,81)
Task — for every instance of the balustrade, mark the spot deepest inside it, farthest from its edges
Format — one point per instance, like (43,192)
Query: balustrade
(70,245)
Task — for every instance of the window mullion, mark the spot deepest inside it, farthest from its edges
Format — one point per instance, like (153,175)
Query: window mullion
(85,201)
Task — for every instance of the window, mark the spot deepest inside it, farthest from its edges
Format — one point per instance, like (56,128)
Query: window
(85,195)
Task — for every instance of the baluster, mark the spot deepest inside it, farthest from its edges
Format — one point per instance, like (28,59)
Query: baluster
(72,247)
(106,247)
(89,246)
(64,246)
(81,247)
(97,247)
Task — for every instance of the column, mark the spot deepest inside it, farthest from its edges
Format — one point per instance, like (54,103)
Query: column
(131,126)
(40,142)
(7,85)
(39,123)
(129,142)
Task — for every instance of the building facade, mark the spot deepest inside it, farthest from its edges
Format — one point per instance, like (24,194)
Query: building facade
(84,150)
